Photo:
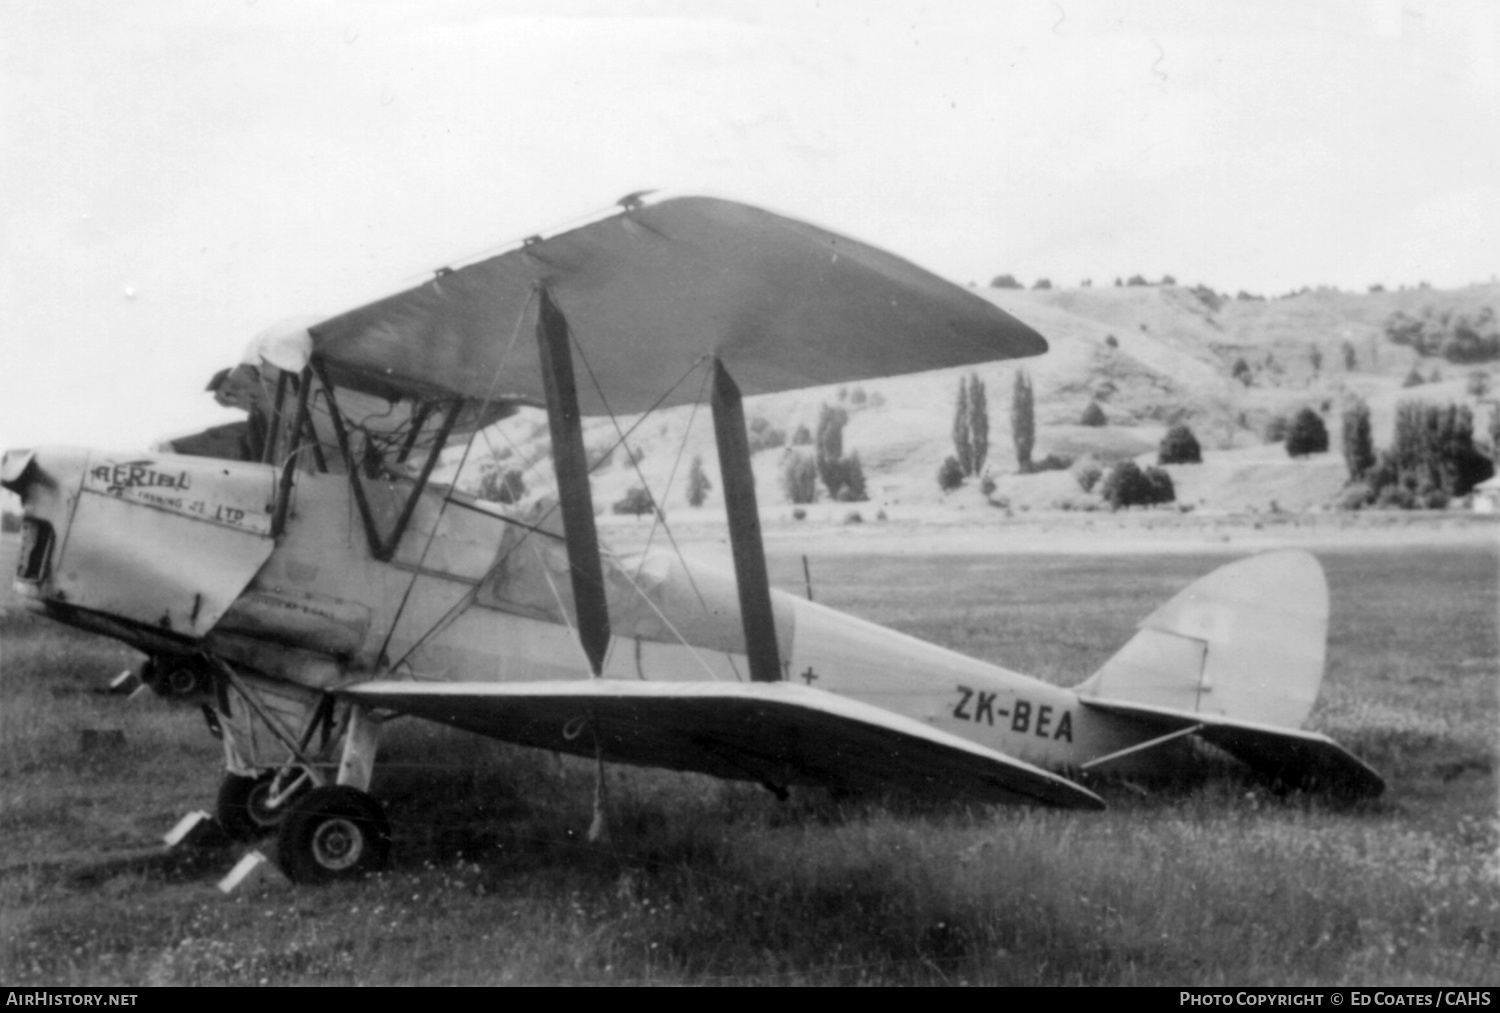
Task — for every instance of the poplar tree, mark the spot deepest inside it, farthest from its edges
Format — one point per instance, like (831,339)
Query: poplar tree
(1359,446)
(979,423)
(963,440)
(1022,420)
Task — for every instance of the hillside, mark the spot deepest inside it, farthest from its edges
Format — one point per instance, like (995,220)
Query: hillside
(1148,355)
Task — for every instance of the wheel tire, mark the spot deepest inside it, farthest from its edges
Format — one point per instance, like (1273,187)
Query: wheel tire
(333,833)
(242,809)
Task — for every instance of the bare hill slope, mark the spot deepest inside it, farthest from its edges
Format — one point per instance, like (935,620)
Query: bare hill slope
(1147,355)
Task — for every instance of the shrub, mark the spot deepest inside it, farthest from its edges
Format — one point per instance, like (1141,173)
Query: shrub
(852,479)
(1053,462)
(1276,428)
(1413,379)
(857,395)
(507,487)
(799,478)
(1094,416)
(950,474)
(1396,497)
(1356,496)
(1307,434)
(799,514)
(637,501)
(1162,490)
(697,482)
(1088,472)
(987,485)
(764,436)
(853,517)
(1179,446)
(803,436)
(1241,372)
(1004,281)
(10,523)
(1127,485)
(1112,341)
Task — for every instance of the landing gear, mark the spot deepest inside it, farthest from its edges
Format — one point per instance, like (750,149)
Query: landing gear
(333,833)
(250,808)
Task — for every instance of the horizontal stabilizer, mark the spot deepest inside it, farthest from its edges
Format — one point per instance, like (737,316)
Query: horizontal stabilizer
(1290,756)
(774,733)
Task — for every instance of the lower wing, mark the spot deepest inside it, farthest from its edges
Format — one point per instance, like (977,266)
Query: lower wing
(774,733)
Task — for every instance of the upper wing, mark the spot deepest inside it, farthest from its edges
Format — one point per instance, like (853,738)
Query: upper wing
(651,291)
(1290,755)
(776,733)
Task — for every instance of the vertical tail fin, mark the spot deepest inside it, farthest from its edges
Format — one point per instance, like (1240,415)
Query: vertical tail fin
(1246,643)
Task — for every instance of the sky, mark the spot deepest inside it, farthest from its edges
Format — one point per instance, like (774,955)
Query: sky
(177,176)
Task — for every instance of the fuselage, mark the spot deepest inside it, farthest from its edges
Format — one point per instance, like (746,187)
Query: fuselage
(179,554)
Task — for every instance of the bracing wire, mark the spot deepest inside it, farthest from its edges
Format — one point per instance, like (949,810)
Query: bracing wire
(442,508)
(459,607)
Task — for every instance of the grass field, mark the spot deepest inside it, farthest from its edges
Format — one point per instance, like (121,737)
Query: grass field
(1213,880)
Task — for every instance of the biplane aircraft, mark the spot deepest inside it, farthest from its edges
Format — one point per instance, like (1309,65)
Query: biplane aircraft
(303,577)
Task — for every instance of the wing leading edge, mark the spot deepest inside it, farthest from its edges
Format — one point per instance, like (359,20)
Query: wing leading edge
(775,733)
(650,292)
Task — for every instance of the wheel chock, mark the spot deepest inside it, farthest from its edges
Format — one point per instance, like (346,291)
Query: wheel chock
(195,830)
(253,871)
(126,683)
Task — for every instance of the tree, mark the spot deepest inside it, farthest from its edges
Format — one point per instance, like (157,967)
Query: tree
(1042,283)
(799,478)
(1094,416)
(1351,359)
(1315,356)
(1433,450)
(1307,434)
(963,438)
(1022,420)
(1005,281)
(830,447)
(803,436)
(697,483)
(979,424)
(1359,448)
(1179,446)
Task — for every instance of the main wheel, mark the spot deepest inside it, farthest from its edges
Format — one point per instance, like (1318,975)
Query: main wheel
(332,833)
(243,808)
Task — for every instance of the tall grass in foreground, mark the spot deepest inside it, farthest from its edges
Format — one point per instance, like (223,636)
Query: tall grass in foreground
(1210,881)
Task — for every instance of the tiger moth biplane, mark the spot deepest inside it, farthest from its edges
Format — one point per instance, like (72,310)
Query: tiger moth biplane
(303,577)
